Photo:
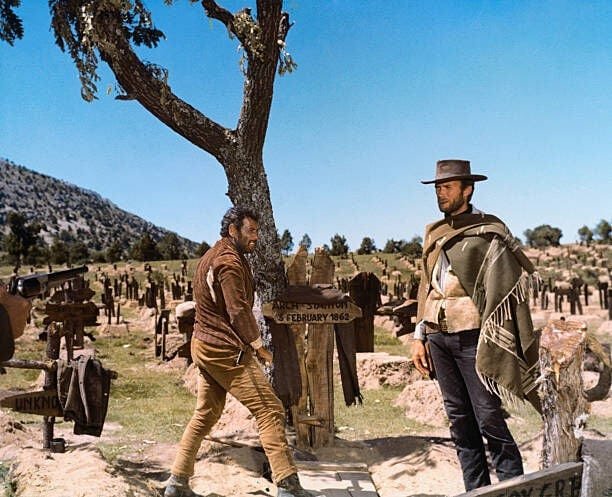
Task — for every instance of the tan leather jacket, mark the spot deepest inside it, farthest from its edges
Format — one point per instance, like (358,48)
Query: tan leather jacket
(223,290)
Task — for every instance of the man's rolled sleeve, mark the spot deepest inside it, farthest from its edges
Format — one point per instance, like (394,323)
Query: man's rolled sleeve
(420,331)
(237,305)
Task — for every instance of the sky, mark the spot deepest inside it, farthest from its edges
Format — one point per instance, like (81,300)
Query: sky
(383,90)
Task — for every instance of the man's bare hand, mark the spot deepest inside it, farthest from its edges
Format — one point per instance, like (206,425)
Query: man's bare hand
(420,358)
(264,355)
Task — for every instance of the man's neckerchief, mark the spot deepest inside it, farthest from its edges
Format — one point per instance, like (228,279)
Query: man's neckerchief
(498,276)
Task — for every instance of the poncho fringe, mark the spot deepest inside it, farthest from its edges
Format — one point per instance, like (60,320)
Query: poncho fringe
(492,327)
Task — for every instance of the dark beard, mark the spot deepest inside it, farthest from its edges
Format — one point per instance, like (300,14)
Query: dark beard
(451,207)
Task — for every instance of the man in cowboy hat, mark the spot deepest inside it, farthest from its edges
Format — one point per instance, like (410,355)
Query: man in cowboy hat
(473,324)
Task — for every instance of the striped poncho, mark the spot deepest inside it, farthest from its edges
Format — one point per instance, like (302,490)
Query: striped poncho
(498,276)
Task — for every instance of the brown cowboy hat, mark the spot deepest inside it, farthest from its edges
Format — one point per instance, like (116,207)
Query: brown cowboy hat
(453,169)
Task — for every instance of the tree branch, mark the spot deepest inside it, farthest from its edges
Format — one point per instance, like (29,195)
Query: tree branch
(259,81)
(214,11)
(143,83)
(284,26)
(241,24)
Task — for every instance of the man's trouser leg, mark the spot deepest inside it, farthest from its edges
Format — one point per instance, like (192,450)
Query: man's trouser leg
(505,454)
(251,388)
(473,411)
(463,425)
(209,407)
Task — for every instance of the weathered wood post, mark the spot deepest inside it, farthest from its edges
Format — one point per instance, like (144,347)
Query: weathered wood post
(296,275)
(53,351)
(364,289)
(564,407)
(319,360)
(314,311)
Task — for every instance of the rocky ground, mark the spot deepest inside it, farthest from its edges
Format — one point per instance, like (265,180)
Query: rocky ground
(423,465)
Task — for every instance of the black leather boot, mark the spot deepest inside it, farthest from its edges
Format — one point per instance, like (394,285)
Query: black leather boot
(291,487)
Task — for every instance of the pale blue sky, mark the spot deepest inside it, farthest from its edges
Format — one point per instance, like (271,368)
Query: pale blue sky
(382,91)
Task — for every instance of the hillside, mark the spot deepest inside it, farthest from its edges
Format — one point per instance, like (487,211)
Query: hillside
(60,206)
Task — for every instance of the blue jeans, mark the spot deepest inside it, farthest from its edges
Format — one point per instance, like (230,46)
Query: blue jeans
(472,410)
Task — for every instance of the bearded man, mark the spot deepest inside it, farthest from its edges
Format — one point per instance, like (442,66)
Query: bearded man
(474,327)
(225,346)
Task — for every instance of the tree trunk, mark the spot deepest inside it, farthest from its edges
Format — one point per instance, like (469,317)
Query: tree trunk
(248,186)
(564,407)
(239,151)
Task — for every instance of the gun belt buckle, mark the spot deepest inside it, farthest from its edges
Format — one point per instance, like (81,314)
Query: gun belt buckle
(443,325)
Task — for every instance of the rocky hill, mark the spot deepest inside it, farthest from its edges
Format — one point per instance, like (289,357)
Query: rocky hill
(62,207)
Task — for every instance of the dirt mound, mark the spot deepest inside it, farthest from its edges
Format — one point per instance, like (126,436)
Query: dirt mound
(605,329)
(422,401)
(37,472)
(378,369)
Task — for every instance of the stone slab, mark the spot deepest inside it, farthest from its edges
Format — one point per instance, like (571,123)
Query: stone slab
(597,474)
(337,479)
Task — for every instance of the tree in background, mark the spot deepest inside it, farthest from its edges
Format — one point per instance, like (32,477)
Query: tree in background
(79,253)
(286,242)
(392,246)
(170,247)
(543,236)
(306,242)
(59,252)
(586,235)
(367,246)
(338,245)
(202,249)
(22,239)
(114,252)
(145,249)
(603,231)
(412,249)
(111,30)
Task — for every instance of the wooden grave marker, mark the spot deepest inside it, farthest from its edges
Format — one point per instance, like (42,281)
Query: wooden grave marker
(43,402)
(562,480)
(313,328)
(319,361)
(296,275)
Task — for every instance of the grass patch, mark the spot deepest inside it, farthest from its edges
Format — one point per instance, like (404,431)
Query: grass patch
(524,422)
(6,483)
(385,341)
(375,418)
(601,424)
(148,402)
(23,379)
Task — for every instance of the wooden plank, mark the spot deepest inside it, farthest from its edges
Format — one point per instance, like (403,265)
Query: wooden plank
(296,275)
(43,402)
(319,362)
(337,479)
(87,311)
(319,367)
(294,313)
(296,271)
(331,466)
(562,480)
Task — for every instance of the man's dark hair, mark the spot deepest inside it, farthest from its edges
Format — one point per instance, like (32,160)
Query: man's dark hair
(465,183)
(235,215)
